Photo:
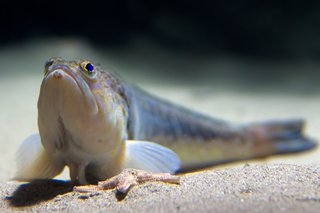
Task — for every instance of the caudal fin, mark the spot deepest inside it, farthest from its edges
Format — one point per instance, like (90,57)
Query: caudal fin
(280,136)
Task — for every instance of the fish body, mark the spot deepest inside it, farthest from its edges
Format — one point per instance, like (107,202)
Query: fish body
(97,124)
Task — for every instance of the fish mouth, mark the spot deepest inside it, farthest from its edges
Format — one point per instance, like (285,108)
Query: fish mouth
(62,73)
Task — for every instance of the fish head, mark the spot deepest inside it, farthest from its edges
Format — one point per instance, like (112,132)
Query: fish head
(69,86)
(76,106)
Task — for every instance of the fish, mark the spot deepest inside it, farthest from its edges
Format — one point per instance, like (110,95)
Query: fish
(97,124)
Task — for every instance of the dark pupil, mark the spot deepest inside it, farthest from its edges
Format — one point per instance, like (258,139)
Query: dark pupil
(89,67)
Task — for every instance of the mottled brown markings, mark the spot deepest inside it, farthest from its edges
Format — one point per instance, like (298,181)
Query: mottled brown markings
(114,82)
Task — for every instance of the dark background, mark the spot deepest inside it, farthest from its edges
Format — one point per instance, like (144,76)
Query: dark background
(274,39)
(285,29)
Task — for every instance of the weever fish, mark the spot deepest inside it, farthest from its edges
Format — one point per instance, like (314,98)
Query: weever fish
(102,127)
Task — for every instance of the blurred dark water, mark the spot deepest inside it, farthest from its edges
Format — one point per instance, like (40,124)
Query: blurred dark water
(275,29)
(236,44)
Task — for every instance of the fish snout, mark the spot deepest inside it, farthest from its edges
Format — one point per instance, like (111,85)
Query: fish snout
(57,74)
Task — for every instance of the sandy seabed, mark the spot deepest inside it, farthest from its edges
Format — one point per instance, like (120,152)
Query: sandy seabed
(251,188)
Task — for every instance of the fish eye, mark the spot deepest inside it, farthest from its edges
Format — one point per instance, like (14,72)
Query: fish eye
(48,63)
(89,68)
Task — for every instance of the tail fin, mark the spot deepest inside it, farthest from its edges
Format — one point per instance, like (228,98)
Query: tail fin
(280,137)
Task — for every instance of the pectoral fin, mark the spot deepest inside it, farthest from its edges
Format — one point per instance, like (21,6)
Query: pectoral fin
(150,157)
(33,162)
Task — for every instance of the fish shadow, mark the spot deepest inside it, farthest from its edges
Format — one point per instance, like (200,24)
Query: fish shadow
(37,191)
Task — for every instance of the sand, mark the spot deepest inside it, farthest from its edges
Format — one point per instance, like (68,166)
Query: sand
(251,188)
